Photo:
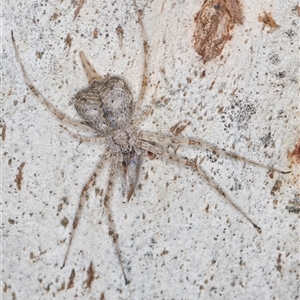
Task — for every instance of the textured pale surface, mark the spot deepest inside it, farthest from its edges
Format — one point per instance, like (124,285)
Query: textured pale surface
(178,250)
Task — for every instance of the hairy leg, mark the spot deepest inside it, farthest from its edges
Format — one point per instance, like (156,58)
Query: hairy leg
(84,197)
(149,109)
(203,144)
(83,138)
(112,226)
(193,164)
(62,117)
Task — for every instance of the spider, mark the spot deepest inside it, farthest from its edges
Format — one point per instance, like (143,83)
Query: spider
(107,108)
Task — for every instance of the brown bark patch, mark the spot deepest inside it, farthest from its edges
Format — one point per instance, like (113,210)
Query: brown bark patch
(95,33)
(68,41)
(276,187)
(268,20)
(213,23)
(71,280)
(294,157)
(76,13)
(179,127)
(102,297)
(19,176)
(91,276)
(3,134)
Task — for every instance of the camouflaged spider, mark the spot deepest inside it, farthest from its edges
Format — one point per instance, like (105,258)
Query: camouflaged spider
(106,106)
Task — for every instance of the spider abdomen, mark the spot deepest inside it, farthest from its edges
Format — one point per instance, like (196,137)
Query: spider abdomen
(106,104)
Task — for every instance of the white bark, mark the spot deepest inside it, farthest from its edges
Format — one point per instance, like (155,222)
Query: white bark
(169,253)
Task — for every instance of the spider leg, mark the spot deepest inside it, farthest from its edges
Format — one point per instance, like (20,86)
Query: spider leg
(83,138)
(205,145)
(193,164)
(144,78)
(112,226)
(84,197)
(148,109)
(62,117)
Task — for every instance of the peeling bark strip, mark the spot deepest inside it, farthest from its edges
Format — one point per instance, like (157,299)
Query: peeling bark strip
(71,280)
(91,276)
(19,176)
(179,127)
(213,24)
(78,9)
(68,41)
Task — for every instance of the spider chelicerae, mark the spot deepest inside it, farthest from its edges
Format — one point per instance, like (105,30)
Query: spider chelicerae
(107,109)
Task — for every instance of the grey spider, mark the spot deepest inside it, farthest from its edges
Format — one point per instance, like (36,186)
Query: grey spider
(106,106)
